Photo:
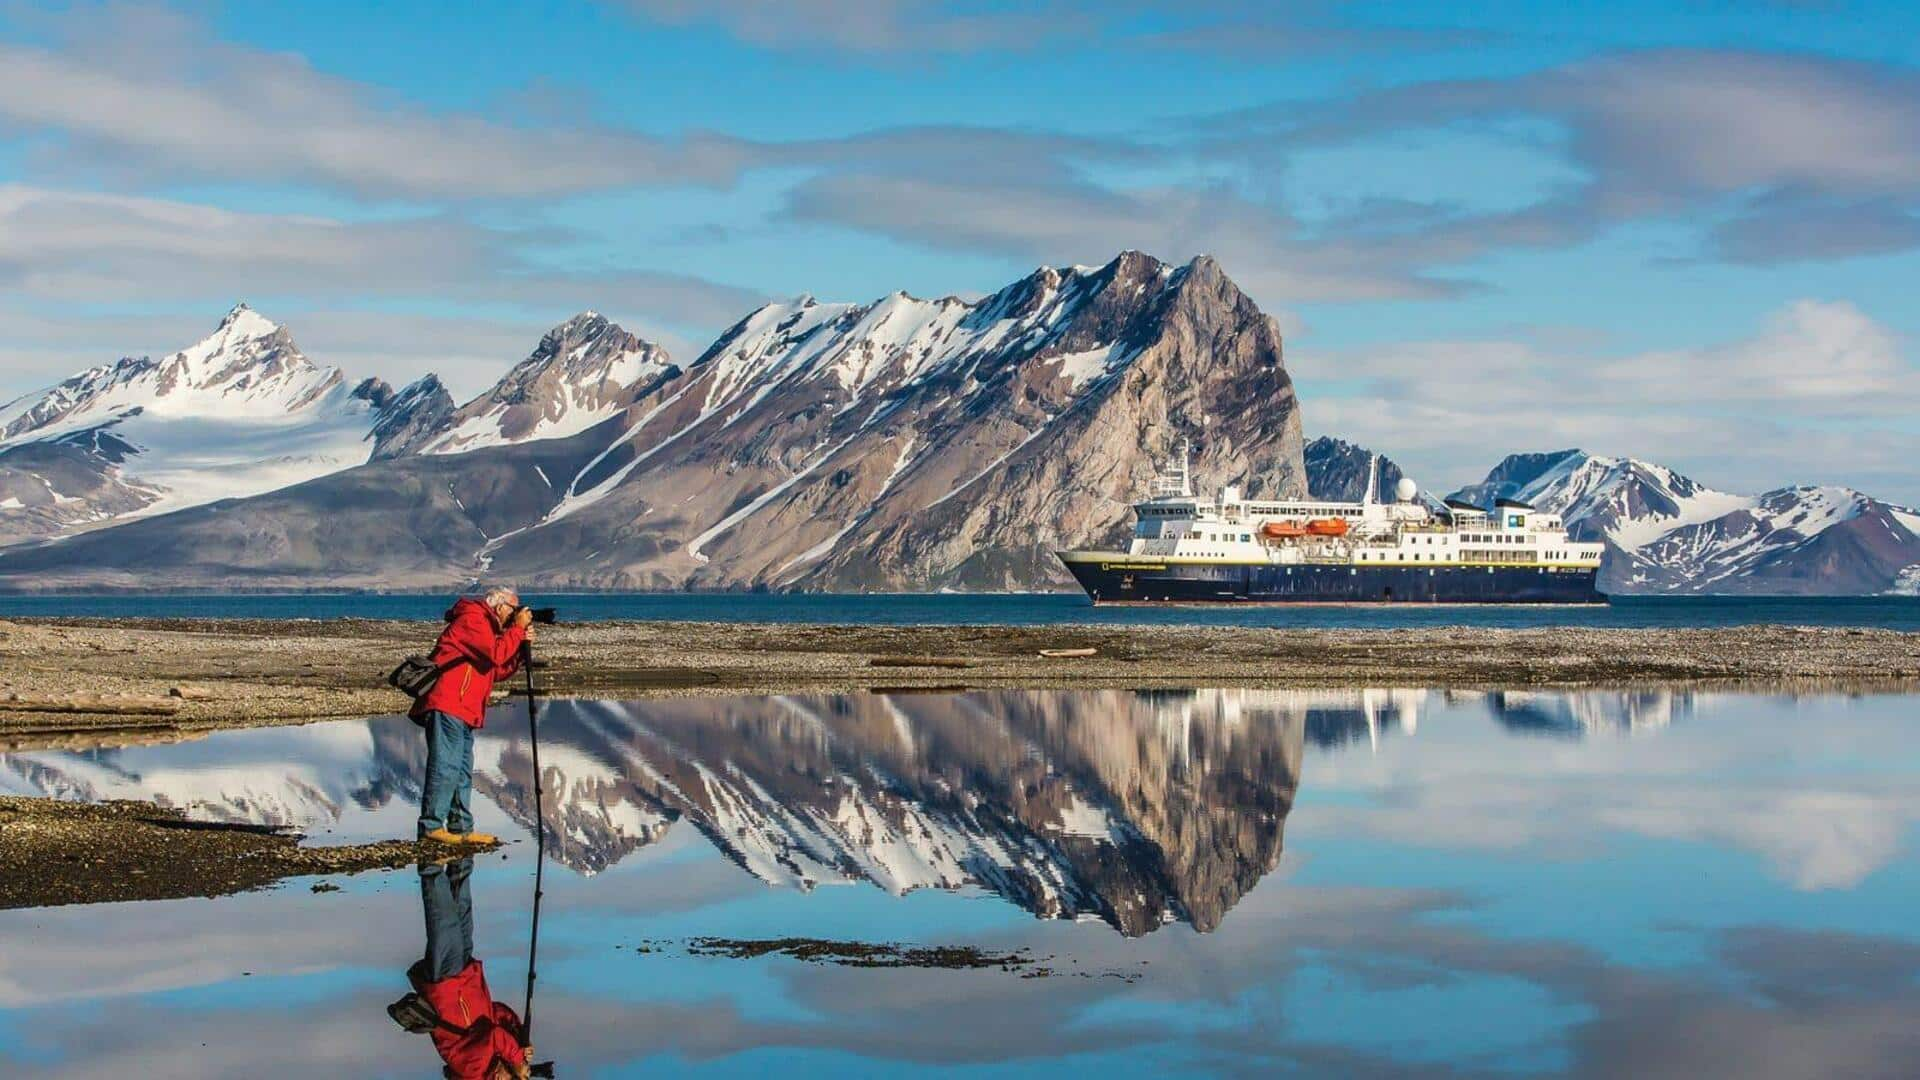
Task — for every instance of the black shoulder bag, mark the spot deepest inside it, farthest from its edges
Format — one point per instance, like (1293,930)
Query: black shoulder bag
(417,674)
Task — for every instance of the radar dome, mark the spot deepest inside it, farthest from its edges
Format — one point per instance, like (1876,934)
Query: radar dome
(1405,490)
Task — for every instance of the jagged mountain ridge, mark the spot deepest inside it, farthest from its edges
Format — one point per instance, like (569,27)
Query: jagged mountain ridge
(1337,470)
(1666,532)
(901,444)
(925,443)
(584,371)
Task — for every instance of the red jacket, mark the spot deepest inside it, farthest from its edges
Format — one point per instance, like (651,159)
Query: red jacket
(489,1031)
(487,653)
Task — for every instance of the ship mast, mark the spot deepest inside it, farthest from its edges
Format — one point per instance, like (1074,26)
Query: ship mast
(1176,480)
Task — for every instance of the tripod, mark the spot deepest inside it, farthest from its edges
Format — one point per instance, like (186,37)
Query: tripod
(539,848)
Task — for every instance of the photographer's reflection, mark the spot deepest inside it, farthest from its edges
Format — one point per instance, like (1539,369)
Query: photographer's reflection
(477,1037)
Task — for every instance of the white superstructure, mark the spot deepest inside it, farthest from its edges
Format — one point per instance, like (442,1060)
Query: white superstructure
(1177,525)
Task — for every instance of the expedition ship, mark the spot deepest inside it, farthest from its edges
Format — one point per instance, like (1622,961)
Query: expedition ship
(1190,549)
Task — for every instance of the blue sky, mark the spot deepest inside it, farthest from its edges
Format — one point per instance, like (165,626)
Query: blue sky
(1676,231)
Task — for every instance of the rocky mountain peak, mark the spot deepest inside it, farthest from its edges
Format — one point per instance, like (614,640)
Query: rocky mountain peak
(582,372)
(417,412)
(246,322)
(1337,470)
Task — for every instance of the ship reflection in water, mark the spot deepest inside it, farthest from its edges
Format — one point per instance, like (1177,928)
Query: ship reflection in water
(1202,882)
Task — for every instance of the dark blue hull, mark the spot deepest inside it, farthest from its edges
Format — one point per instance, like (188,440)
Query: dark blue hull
(1123,580)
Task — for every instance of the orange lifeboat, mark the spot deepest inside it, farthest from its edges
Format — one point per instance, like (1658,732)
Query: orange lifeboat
(1327,527)
(1282,530)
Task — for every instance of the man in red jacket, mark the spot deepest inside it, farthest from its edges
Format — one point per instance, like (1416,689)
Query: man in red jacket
(481,644)
(477,1037)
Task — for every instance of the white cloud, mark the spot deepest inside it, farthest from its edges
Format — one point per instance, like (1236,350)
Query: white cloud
(64,255)
(151,95)
(1684,134)
(1263,247)
(1817,394)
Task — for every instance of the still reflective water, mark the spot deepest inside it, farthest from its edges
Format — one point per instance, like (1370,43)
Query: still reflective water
(1203,883)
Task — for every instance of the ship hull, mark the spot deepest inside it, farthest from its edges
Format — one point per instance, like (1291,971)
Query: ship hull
(1112,578)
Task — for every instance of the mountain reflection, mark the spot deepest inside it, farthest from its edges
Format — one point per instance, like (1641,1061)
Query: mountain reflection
(1135,808)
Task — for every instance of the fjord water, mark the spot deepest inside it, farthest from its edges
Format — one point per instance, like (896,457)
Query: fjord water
(1221,882)
(995,609)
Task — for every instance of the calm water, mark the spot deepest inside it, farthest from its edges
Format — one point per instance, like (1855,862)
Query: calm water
(1217,882)
(1898,613)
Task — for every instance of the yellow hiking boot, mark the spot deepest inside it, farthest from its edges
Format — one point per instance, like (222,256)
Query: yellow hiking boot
(476,838)
(442,836)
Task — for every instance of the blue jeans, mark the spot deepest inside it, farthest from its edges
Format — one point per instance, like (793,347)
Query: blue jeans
(447,801)
(449,910)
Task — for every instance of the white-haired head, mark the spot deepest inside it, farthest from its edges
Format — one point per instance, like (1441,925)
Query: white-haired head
(499,595)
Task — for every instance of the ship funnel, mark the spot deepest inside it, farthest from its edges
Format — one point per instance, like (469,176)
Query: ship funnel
(1373,480)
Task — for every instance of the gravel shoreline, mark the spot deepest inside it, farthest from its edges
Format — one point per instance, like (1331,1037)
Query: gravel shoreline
(54,853)
(160,678)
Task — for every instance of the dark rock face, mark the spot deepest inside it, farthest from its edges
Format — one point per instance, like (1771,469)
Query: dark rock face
(1514,474)
(1337,470)
(403,420)
(48,487)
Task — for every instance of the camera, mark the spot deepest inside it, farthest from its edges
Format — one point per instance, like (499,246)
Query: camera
(545,616)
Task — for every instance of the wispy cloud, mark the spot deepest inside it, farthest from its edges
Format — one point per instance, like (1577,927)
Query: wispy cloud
(90,249)
(1266,248)
(1792,402)
(1667,133)
(872,26)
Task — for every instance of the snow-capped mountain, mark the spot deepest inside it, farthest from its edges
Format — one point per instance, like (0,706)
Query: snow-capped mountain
(584,371)
(924,443)
(905,444)
(239,413)
(1668,533)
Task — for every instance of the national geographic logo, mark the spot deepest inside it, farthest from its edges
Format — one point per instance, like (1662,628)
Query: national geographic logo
(1132,566)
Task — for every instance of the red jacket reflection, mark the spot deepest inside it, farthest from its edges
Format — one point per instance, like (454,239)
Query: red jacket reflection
(487,1030)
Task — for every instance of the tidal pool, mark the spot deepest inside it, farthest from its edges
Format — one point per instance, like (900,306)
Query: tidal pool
(1222,882)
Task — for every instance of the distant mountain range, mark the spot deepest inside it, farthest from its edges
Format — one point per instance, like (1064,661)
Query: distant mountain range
(902,444)
(905,444)
(1666,533)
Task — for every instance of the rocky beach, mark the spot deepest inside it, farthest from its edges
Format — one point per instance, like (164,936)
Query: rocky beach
(71,681)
